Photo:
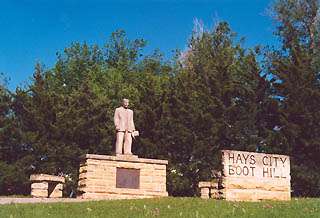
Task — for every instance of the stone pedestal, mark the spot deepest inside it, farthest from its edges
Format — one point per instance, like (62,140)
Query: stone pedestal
(46,186)
(39,189)
(205,189)
(121,177)
(209,190)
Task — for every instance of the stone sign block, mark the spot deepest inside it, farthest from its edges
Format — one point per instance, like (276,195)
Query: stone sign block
(249,176)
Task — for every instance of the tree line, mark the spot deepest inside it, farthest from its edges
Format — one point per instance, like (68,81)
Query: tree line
(216,95)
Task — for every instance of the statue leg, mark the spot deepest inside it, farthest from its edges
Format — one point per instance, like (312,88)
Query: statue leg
(127,143)
(119,142)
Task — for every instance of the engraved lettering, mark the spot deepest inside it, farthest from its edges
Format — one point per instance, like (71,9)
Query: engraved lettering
(239,158)
(252,159)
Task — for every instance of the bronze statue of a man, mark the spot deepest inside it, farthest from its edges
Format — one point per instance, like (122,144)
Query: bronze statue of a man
(123,121)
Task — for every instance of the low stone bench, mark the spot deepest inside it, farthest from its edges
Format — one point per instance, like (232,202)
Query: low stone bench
(46,186)
(209,190)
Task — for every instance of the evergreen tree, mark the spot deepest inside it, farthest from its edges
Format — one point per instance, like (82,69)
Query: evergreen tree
(13,171)
(214,105)
(68,110)
(295,71)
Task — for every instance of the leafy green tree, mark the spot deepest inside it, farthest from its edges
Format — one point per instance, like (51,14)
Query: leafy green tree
(214,104)
(68,110)
(59,123)
(295,72)
(13,171)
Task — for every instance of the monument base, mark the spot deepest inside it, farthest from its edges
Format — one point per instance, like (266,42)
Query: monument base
(121,177)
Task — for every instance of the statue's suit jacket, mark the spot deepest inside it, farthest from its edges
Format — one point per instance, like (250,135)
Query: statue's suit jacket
(123,119)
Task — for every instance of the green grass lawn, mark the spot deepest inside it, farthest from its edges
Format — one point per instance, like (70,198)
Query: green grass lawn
(166,207)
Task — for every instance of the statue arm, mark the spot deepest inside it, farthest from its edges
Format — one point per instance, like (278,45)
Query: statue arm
(116,119)
(132,122)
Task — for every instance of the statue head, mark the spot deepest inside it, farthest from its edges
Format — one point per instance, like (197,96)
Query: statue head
(125,103)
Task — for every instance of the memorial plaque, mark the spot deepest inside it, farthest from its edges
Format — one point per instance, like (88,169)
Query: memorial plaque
(128,178)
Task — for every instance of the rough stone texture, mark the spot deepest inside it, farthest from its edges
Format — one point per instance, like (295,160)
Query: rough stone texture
(46,186)
(46,177)
(40,185)
(97,177)
(205,193)
(209,190)
(55,191)
(249,176)
(39,192)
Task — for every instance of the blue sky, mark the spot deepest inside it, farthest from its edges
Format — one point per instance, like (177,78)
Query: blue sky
(34,30)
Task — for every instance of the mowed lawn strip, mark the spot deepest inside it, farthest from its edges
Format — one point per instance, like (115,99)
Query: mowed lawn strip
(166,207)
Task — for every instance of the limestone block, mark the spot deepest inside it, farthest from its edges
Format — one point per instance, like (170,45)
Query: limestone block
(152,179)
(40,185)
(215,193)
(150,187)
(263,184)
(114,159)
(127,156)
(98,174)
(55,190)
(128,192)
(161,173)
(89,195)
(129,165)
(255,176)
(209,189)
(159,188)
(256,195)
(160,167)
(205,192)
(56,195)
(39,193)
(207,184)
(44,185)
(46,177)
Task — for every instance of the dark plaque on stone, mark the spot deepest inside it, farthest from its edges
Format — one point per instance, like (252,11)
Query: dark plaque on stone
(128,178)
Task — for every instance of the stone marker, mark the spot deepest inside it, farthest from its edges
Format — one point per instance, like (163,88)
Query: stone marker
(46,186)
(121,177)
(249,176)
(209,190)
